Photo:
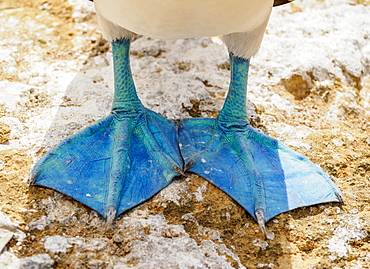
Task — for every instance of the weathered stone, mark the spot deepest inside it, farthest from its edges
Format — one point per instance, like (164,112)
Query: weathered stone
(308,87)
(4,133)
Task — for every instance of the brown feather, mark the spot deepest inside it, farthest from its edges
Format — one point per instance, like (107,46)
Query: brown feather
(281,2)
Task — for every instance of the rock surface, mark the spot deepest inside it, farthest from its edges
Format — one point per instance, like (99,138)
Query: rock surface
(309,86)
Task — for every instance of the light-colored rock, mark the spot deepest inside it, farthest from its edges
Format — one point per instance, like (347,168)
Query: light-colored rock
(56,244)
(5,236)
(308,87)
(40,261)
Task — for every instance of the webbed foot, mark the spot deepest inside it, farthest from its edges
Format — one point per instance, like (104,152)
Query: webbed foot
(120,161)
(259,172)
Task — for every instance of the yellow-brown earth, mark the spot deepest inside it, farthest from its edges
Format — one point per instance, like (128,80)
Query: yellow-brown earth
(190,211)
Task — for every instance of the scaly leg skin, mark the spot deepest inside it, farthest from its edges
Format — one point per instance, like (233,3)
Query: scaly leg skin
(259,172)
(120,161)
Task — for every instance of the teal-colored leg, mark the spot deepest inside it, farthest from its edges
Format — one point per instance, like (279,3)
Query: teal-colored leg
(120,161)
(259,172)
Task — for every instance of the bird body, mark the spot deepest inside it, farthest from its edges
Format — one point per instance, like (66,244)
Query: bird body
(185,18)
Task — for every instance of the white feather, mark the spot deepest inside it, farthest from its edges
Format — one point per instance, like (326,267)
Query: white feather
(242,22)
(246,44)
(112,31)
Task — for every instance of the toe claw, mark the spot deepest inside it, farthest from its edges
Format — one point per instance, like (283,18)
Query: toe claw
(189,164)
(340,197)
(111,214)
(261,219)
(33,178)
(178,169)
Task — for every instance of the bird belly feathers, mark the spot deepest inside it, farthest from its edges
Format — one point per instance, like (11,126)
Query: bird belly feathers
(185,18)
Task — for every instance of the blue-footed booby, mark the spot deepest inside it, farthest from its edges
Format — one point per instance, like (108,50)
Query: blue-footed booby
(129,156)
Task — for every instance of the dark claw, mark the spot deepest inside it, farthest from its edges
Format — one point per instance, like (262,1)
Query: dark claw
(189,164)
(178,123)
(177,169)
(33,178)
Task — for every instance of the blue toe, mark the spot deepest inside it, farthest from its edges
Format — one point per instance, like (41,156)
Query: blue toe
(115,163)
(257,171)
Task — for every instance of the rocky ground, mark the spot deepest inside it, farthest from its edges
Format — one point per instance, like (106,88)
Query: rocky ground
(309,87)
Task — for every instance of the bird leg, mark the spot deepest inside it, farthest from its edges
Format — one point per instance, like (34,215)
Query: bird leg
(120,161)
(263,175)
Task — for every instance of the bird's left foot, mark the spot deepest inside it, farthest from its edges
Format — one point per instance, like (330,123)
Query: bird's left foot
(259,172)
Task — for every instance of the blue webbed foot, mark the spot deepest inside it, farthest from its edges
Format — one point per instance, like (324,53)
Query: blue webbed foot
(120,161)
(259,172)
(115,164)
